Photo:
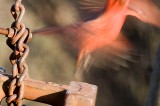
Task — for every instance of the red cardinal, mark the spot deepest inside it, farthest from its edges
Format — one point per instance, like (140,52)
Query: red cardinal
(105,29)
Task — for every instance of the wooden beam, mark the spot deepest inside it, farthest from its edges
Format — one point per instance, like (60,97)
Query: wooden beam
(79,93)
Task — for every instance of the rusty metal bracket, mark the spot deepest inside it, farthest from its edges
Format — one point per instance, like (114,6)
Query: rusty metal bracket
(4,31)
(76,94)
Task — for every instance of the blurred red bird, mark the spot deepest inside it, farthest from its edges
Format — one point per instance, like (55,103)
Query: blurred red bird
(105,29)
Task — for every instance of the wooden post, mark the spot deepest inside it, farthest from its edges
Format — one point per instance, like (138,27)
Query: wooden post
(81,94)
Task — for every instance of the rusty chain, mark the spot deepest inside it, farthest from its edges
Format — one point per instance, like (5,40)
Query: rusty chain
(18,36)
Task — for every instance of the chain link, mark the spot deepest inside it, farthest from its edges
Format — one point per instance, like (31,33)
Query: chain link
(17,42)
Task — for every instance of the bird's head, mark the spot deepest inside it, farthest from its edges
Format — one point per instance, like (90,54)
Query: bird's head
(118,4)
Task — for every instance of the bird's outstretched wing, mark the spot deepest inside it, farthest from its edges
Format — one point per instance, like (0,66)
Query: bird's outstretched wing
(90,9)
(91,5)
(115,56)
(68,33)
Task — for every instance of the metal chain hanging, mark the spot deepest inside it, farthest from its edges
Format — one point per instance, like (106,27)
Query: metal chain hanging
(17,38)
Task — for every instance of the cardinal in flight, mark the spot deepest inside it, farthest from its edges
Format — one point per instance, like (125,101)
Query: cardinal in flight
(105,29)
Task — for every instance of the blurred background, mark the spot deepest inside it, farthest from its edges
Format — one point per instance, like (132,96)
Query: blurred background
(122,82)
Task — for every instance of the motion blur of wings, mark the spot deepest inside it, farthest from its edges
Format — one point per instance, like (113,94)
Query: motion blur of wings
(101,30)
